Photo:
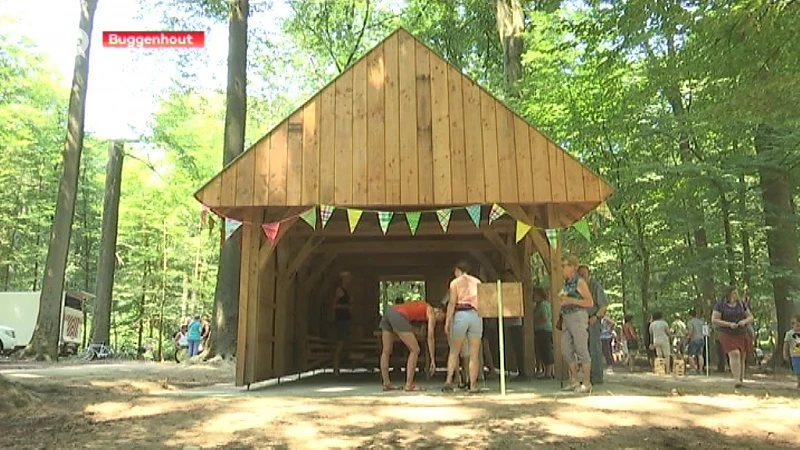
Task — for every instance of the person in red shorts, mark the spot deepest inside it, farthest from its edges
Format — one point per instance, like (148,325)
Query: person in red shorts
(397,320)
(732,317)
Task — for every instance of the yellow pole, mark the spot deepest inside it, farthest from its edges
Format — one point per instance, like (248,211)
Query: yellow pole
(502,341)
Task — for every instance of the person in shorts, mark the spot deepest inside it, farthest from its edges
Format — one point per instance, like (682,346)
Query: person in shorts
(397,321)
(791,348)
(630,344)
(696,342)
(463,323)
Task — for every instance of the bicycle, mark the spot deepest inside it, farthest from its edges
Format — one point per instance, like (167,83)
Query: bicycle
(98,351)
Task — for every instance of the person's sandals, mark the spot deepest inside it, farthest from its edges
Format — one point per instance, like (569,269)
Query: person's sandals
(390,387)
(583,389)
(414,388)
(570,388)
(448,388)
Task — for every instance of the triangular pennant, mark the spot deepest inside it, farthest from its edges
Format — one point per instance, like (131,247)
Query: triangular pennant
(231,226)
(496,212)
(310,217)
(353,216)
(271,230)
(384,219)
(474,212)
(412,217)
(582,227)
(444,218)
(552,237)
(325,213)
(522,230)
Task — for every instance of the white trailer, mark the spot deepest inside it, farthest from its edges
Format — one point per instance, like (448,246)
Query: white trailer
(19,310)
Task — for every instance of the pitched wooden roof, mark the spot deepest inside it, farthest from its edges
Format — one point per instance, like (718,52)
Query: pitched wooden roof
(403,128)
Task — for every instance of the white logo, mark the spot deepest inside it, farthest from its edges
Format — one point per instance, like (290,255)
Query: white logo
(83,43)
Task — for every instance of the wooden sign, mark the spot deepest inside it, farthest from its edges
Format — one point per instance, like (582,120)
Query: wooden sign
(512,300)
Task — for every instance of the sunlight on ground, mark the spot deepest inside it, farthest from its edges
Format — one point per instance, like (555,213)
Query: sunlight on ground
(337,389)
(24,375)
(423,414)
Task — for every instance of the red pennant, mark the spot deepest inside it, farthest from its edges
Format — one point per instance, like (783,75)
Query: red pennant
(271,230)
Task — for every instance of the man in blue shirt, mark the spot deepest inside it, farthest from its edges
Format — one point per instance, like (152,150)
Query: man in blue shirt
(596,314)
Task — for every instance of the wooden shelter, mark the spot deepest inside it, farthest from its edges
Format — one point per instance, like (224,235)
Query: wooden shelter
(400,130)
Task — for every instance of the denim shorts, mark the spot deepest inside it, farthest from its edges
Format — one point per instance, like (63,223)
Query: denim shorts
(467,324)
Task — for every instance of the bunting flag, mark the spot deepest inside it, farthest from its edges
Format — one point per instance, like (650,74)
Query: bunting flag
(325,212)
(604,211)
(231,226)
(203,214)
(271,230)
(412,217)
(353,216)
(310,217)
(522,230)
(495,213)
(444,218)
(384,219)
(474,212)
(582,227)
(552,237)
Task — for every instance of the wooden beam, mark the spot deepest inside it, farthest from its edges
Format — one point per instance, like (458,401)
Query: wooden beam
(537,237)
(378,260)
(416,245)
(318,270)
(508,254)
(301,256)
(486,263)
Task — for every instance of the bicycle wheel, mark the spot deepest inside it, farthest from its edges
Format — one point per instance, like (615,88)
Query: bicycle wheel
(91,354)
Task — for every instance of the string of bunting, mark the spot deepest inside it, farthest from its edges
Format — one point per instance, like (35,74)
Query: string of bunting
(412,219)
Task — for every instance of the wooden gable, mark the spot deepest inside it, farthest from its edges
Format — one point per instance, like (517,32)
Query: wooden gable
(403,128)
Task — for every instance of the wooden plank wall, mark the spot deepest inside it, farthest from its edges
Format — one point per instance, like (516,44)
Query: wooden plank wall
(403,127)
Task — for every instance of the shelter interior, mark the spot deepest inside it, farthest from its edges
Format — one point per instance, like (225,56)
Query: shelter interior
(401,130)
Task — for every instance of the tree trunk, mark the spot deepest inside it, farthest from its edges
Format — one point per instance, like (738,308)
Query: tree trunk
(163,296)
(142,301)
(726,225)
(743,233)
(781,222)
(623,280)
(44,343)
(695,211)
(224,323)
(510,19)
(107,260)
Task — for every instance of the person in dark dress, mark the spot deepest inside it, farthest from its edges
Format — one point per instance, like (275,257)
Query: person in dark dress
(342,316)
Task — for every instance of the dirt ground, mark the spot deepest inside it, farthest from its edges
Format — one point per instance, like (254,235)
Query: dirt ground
(127,405)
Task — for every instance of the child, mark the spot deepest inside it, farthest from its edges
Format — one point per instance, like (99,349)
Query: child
(696,340)
(791,347)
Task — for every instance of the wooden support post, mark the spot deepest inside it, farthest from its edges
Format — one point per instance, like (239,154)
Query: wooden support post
(248,288)
(556,283)
(301,256)
(529,351)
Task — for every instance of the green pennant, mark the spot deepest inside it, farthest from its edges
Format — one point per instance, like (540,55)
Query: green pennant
(310,217)
(582,227)
(552,237)
(474,212)
(384,219)
(412,217)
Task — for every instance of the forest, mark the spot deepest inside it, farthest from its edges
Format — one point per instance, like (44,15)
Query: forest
(689,109)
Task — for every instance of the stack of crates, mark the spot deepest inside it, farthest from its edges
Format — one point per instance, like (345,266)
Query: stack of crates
(660,366)
(679,366)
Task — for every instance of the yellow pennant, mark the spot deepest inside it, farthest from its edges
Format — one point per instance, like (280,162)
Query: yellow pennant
(353,216)
(522,230)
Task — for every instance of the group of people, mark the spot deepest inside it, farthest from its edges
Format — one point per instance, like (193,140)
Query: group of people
(192,335)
